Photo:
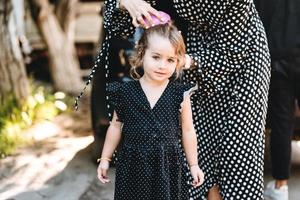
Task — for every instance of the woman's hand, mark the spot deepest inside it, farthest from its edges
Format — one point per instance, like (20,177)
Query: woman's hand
(102,171)
(197,175)
(188,62)
(138,10)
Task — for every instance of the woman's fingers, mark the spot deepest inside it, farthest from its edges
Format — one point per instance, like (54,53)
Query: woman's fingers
(140,12)
(147,20)
(135,22)
(140,18)
(148,14)
(154,12)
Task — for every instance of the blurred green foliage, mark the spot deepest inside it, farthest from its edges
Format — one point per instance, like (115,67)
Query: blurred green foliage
(15,116)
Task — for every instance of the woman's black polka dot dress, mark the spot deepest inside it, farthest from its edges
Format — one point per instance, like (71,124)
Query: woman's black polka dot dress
(149,163)
(227,42)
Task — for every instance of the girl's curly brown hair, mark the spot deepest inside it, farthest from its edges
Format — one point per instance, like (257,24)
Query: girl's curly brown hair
(168,31)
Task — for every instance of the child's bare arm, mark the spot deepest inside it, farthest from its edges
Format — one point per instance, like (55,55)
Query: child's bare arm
(189,138)
(113,137)
(189,141)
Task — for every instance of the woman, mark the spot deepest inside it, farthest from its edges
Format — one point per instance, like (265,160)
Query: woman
(227,44)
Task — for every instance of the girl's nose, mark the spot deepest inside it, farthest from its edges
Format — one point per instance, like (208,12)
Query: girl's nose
(162,64)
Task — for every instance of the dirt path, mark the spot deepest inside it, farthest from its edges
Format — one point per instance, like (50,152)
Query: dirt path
(58,165)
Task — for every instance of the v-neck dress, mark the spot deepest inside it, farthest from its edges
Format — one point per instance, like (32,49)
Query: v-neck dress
(228,45)
(149,163)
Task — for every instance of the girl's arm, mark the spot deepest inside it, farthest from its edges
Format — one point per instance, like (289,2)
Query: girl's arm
(189,140)
(112,140)
(113,137)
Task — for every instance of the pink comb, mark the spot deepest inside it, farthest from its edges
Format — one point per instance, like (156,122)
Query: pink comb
(165,18)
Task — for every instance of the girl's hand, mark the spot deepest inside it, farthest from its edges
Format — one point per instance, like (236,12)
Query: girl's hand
(197,175)
(138,10)
(102,171)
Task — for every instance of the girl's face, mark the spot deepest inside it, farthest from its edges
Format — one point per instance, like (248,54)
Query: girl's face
(160,60)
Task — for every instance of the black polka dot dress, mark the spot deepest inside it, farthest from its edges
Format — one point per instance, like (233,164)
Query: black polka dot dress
(227,42)
(149,163)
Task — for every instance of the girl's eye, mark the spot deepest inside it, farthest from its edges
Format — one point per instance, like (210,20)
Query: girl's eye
(155,57)
(171,60)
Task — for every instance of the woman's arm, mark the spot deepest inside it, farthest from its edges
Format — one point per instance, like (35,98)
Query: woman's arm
(117,22)
(226,45)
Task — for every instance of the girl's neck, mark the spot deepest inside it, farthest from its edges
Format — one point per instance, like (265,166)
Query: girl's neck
(150,82)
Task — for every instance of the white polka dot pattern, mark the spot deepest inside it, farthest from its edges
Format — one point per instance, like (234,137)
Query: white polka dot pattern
(227,42)
(150,162)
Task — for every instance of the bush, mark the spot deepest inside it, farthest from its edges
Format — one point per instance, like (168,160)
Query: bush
(42,104)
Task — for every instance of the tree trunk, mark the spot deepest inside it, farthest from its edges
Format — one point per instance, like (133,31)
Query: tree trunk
(13,78)
(64,64)
(66,15)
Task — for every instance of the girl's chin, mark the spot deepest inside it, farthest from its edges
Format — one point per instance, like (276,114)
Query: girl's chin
(159,79)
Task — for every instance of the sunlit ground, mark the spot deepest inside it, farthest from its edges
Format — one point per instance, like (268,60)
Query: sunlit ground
(33,167)
(58,165)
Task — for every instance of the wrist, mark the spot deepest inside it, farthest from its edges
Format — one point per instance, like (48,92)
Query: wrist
(193,165)
(104,158)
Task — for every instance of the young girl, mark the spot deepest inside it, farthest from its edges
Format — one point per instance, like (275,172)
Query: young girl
(149,114)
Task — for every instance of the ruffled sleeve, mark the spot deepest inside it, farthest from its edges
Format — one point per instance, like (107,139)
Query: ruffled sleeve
(184,90)
(115,99)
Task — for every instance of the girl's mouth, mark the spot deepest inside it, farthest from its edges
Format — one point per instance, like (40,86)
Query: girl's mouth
(160,73)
